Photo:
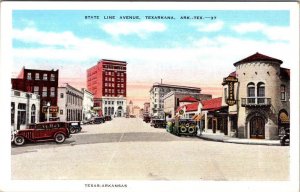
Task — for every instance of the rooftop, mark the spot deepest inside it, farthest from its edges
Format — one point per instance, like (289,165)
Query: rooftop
(175,86)
(257,57)
(188,99)
(212,104)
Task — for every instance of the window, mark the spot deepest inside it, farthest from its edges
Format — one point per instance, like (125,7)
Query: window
(251,90)
(112,110)
(44,94)
(22,113)
(45,77)
(37,76)
(113,79)
(282,92)
(61,112)
(36,90)
(105,110)
(261,90)
(52,77)
(12,113)
(52,92)
(61,95)
(33,112)
(29,76)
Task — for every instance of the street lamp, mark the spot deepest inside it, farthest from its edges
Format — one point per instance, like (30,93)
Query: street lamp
(48,111)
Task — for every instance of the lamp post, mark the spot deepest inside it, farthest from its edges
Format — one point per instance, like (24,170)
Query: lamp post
(48,111)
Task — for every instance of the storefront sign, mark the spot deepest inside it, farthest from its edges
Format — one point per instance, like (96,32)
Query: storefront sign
(230,82)
(52,109)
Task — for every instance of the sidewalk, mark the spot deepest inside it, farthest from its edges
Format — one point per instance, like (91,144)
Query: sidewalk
(226,139)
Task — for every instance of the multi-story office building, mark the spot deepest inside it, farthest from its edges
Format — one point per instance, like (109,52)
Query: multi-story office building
(69,103)
(159,90)
(24,109)
(43,83)
(107,81)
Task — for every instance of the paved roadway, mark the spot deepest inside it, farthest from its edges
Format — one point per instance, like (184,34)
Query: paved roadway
(131,149)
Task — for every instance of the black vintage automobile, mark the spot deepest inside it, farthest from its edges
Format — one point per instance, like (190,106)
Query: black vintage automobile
(107,118)
(98,120)
(74,126)
(184,127)
(156,123)
(146,119)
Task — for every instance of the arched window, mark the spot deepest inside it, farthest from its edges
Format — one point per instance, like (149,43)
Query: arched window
(33,113)
(260,89)
(261,93)
(108,111)
(251,90)
(112,110)
(105,110)
(251,93)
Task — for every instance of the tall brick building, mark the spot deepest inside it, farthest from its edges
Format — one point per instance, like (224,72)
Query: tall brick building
(40,82)
(107,81)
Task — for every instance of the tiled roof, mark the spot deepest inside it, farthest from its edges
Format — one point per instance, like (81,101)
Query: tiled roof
(189,107)
(285,73)
(212,104)
(192,106)
(257,57)
(188,99)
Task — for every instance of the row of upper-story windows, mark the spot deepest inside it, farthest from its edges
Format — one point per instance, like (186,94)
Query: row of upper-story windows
(114,67)
(37,76)
(259,90)
(113,73)
(36,90)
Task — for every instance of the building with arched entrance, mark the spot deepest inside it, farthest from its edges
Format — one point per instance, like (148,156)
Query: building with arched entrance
(257,94)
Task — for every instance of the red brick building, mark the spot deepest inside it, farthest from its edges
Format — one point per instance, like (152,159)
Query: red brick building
(106,80)
(43,83)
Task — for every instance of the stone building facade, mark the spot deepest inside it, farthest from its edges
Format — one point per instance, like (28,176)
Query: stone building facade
(25,109)
(261,93)
(70,103)
(87,105)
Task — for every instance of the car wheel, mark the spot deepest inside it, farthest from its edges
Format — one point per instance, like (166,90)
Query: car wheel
(59,138)
(72,130)
(19,140)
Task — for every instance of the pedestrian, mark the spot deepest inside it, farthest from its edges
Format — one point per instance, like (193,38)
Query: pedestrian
(169,123)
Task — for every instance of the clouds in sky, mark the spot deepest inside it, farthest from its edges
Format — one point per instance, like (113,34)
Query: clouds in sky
(203,60)
(142,28)
(208,27)
(271,32)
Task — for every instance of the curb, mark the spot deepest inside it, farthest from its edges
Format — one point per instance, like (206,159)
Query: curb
(238,142)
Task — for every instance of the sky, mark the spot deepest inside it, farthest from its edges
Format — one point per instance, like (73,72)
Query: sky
(191,52)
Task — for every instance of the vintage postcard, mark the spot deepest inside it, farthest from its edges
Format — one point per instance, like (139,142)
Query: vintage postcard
(149,96)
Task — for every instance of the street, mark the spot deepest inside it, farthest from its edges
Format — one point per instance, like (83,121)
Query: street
(128,148)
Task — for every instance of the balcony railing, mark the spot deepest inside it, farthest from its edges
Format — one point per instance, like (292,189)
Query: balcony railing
(256,101)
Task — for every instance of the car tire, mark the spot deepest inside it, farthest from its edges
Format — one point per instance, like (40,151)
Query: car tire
(59,138)
(72,130)
(19,140)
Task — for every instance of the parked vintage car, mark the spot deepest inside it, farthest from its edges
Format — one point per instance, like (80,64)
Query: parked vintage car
(184,127)
(45,131)
(147,119)
(107,118)
(158,123)
(99,120)
(73,126)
